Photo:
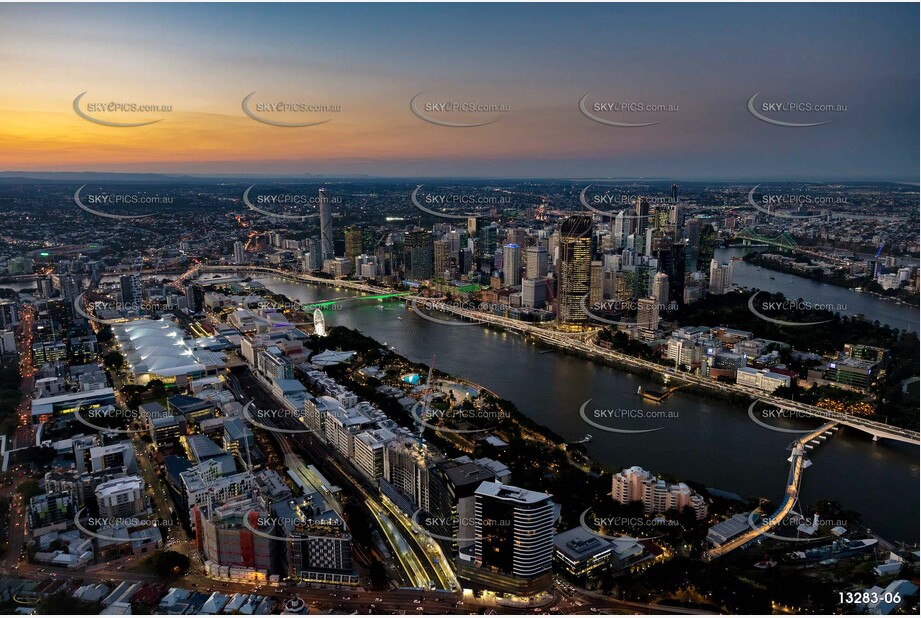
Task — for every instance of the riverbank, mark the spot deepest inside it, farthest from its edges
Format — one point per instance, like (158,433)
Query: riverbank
(552,387)
(858,286)
(652,370)
(541,467)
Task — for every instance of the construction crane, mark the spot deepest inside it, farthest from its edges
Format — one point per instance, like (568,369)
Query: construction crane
(426,393)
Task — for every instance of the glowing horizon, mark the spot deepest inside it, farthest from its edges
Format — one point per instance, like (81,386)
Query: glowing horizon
(202,60)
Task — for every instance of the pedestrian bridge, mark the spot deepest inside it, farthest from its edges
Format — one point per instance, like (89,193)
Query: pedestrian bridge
(798,463)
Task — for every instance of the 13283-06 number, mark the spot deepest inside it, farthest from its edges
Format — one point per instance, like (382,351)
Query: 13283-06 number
(862,598)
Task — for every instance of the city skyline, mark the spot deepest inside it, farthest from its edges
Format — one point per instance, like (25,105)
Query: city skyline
(459,309)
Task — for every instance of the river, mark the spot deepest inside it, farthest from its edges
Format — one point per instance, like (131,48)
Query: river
(704,440)
(750,276)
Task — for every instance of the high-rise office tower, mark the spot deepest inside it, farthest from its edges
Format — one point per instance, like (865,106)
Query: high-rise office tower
(660,289)
(193,298)
(71,288)
(9,314)
(513,531)
(354,243)
(596,291)
(326,228)
(313,257)
(45,287)
(575,267)
(443,258)
(369,240)
(387,256)
(534,292)
(619,230)
(671,259)
(130,292)
(623,286)
(418,258)
(511,265)
(536,262)
(238,252)
(647,314)
(472,227)
(553,248)
(453,484)
(488,240)
(642,229)
(676,216)
(642,216)
(453,238)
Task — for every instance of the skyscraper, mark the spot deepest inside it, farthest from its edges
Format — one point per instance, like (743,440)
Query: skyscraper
(326,228)
(676,217)
(472,227)
(452,485)
(443,259)
(487,240)
(45,287)
(671,259)
(647,315)
(511,265)
(596,291)
(193,298)
(312,255)
(418,259)
(516,236)
(71,288)
(464,260)
(238,252)
(660,289)
(642,216)
(720,277)
(277,239)
(575,267)
(130,292)
(353,243)
(513,550)
(620,230)
(536,259)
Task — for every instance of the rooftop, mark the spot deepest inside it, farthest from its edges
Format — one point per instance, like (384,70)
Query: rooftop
(511,493)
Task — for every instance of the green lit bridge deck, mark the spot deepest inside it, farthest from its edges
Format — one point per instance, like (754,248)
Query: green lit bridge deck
(369,292)
(332,302)
(785,241)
